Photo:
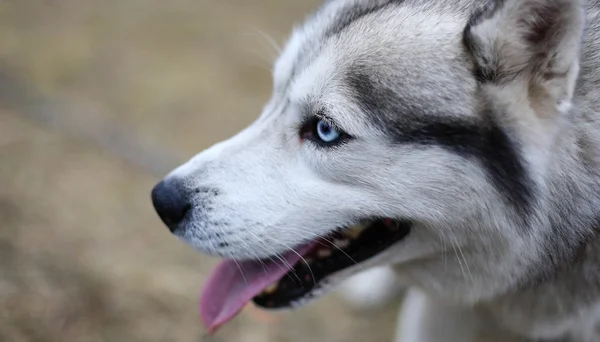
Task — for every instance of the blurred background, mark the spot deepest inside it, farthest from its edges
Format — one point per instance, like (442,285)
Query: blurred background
(98,100)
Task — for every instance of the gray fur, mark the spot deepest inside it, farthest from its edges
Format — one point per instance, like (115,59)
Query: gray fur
(477,120)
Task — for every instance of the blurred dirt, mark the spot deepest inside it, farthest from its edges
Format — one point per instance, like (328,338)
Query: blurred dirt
(82,255)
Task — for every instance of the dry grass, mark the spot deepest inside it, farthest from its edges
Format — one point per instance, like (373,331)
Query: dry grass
(82,255)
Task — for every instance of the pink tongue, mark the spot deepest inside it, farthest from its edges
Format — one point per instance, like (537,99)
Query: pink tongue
(232,285)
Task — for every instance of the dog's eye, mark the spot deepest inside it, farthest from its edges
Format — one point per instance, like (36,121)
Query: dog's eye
(322,132)
(326,132)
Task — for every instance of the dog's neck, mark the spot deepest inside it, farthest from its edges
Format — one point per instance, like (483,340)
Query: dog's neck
(571,215)
(566,276)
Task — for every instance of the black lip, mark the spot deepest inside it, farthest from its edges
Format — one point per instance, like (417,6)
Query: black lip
(302,280)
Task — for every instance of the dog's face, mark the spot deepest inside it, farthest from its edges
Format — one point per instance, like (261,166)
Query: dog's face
(410,119)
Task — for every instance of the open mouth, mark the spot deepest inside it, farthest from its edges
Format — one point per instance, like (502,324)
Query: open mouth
(330,255)
(295,276)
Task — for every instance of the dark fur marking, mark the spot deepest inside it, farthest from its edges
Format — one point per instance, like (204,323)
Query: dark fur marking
(347,16)
(356,12)
(489,144)
(485,142)
(488,72)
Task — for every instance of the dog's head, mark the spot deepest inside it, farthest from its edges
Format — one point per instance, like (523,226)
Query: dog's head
(429,124)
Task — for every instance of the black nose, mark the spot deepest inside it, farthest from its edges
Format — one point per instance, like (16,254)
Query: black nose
(171,202)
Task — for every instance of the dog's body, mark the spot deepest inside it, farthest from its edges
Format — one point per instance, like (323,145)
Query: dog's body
(478,121)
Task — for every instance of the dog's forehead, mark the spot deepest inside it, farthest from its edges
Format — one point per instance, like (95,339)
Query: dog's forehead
(397,57)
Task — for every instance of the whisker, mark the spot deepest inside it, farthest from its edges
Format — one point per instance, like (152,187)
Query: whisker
(455,244)
(242,272)
(277,255)
(444,247)
(284,265)
(298,254)
(256,257)
(319,237)
(269,39)
(271,44)
(459,261)
(272,254)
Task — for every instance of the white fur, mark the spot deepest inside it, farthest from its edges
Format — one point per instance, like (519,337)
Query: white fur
(422,319)
(371,289)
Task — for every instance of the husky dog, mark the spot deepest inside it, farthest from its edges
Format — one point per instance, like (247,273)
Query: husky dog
(455,141)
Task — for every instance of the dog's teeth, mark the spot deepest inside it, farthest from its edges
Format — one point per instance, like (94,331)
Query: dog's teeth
(323,253)
(271,288)
(341,243)
(354,231)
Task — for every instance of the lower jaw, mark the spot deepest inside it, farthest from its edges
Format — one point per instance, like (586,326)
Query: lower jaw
(328,256)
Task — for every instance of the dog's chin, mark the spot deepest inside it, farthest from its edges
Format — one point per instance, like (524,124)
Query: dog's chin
(330,260)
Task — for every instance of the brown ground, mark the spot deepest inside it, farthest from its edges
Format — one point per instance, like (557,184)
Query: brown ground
(82,255)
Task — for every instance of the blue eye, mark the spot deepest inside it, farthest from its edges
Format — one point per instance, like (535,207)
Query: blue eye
(322,132)
(326,132)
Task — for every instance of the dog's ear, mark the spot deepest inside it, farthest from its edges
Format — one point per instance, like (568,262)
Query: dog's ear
(533,43)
